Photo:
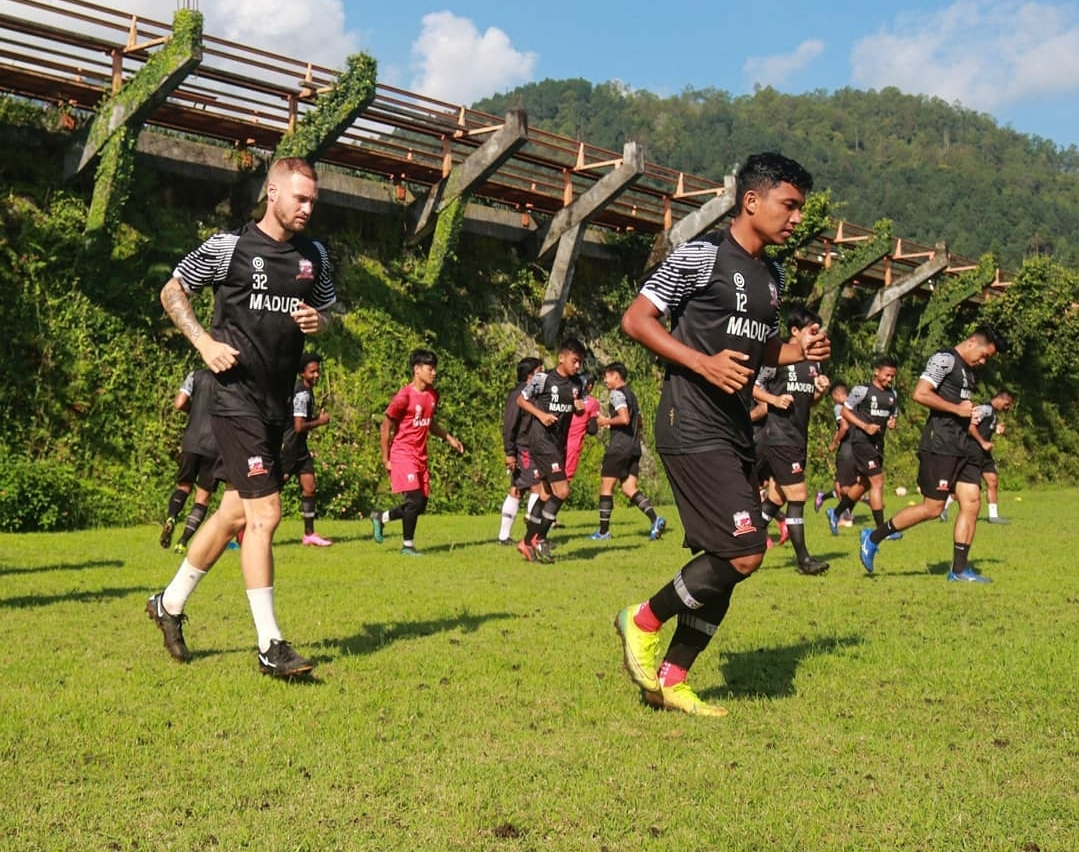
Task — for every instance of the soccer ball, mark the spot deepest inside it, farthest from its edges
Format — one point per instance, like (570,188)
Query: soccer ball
(900,491)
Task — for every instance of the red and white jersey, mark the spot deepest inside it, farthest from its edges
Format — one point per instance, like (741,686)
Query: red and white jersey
(413,411)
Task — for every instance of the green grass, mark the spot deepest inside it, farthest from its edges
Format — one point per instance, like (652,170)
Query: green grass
(471,701)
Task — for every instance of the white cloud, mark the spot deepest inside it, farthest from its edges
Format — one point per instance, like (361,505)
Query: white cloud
(776,70)
(311,30)
(985,55)
(454,62)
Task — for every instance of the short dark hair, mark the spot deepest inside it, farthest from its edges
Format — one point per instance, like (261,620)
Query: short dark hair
(837,385)
(307,358)
(799,316)
(1005,392)
(988,334)
(526,367)
(572,344)
(422,356)
(765,171)
(617,367)
(885,361)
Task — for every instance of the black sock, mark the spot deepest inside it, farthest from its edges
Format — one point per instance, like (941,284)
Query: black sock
(770,510)
(606,507)
(881,533)
(960,552)
(796,529)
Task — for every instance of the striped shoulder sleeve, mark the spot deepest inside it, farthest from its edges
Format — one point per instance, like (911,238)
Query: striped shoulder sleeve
(208,264)
(686,270)
(324,294)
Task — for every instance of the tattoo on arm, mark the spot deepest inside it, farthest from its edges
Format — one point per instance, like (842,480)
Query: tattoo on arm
(178,307)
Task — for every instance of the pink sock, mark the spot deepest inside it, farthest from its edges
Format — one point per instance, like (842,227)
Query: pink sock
(646,620)
(670,674)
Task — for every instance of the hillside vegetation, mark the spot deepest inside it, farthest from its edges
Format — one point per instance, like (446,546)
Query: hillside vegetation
(936,170)
(87,431)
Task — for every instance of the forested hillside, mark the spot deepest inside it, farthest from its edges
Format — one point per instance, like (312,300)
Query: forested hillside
(937,171)
(88,435)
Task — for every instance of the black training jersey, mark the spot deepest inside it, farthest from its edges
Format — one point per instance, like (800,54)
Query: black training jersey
(554,393)
(294,445)
(258,282)
(789,427)
(625,439)
(985,416)
(944,433)
(873,405)
(513,422)
(719,297)
(199,434)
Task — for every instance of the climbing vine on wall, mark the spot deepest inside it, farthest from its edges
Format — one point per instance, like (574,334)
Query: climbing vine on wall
(351,94)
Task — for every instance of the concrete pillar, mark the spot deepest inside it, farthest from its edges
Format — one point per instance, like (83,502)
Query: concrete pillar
(603,192)
(475,170)
(558,284)
(696,223)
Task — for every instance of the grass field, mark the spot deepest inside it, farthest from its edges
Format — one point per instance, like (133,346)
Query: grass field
(471,701)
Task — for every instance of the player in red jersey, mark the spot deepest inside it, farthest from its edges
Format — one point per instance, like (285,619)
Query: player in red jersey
(409,418)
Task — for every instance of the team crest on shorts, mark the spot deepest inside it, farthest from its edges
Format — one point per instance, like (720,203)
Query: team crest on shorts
(942,485)
(743,523)
(796,467)
(256,466)
(307,270)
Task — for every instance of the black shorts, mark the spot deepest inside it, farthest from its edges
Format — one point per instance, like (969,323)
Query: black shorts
(250,455)
(938,475)
(787,464)
(296,465)
(197,468)
(986,463)
(619,466)
(846,470)
(719,502)
(551,466)
(868,459)
(526,475)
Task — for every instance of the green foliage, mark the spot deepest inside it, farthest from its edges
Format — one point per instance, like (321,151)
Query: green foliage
(351,94)
(42,495)
(443,249)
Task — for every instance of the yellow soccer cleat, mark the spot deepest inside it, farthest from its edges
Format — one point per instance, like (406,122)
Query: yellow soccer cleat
(639,650)
(681,697)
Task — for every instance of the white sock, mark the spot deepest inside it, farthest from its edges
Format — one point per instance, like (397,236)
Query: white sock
(385,517)
(532,498)
(176,593)
(992,510)
(262,611)
(948,502)
(509,511)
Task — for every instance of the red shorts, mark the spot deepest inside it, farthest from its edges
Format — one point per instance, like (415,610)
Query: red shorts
(408,473)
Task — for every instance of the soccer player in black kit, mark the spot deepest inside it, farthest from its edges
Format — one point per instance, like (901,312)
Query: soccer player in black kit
(272,286)
(622,461)
(296,458)
(791,392)
(870,411)
(524,478)
(551,399)
(948,458)
(198,458)
(723,298)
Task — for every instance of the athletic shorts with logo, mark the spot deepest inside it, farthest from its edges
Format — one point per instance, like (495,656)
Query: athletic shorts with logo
(719,503)
(250,455)
(938,475)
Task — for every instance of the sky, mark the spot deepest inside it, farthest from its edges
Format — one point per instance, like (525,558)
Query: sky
(1015,61)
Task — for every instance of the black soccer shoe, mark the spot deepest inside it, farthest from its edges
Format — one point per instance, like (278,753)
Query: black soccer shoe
(172,627)
(812,567)
(281,661)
